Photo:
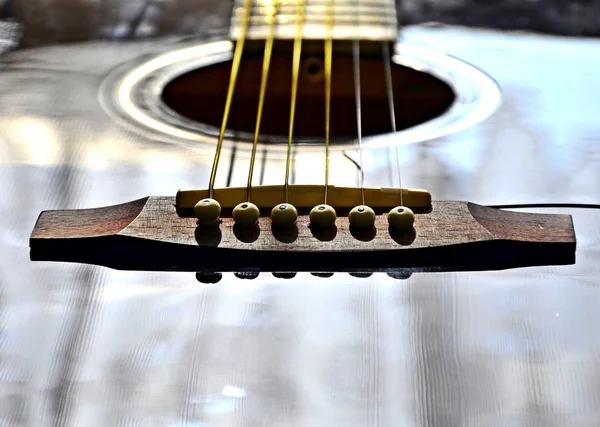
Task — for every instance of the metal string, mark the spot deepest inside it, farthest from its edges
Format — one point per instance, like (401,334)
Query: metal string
(356,54)
(263,88)
(235,66)
(357,92)
(390,91)
(328,65)
(295,74)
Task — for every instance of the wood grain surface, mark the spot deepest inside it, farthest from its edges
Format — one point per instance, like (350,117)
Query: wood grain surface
(89,346)
(148,234)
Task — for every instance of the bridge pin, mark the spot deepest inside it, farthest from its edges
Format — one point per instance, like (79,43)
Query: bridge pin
(207,211)
(284,215)
(362,217)
(323,216)
(401,218)
(246,214)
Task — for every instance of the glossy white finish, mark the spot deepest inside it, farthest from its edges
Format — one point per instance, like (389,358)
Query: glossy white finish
(87,346)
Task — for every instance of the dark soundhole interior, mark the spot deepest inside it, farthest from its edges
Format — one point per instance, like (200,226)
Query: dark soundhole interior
(200,95)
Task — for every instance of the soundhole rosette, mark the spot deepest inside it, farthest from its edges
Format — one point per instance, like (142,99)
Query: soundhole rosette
(134,94)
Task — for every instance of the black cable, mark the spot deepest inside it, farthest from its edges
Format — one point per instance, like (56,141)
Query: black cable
(547,206)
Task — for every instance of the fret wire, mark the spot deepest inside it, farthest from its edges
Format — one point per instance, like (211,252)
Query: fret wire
(342,20)
(263,90)
(348,33)
(328,66)
(295,75)
(291,11)
(318,32)
(390,91)
(237,59)
(311,3)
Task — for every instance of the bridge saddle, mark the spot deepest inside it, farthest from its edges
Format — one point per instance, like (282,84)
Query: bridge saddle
(308,196)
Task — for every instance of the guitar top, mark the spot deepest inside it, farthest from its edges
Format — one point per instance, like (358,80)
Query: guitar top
(342,346)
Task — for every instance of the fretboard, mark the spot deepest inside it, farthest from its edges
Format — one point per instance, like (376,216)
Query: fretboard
(374,20)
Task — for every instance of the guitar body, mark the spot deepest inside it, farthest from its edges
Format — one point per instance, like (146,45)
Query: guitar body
(89,345)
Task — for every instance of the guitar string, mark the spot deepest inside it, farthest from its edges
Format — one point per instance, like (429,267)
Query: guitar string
(295,75)
(263,166)
(231,165)
(263,89)
(357,96)
(235,67)
(390,92)
(328,66)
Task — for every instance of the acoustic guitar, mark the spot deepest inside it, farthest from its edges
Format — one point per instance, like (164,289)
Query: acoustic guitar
(417,218)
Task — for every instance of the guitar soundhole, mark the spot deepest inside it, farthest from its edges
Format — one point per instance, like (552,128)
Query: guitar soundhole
(179,97)
(199,95)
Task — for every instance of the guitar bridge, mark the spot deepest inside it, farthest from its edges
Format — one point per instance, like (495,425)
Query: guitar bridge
(155,234)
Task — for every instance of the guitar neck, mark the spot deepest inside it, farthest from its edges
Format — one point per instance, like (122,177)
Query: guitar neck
(369,20)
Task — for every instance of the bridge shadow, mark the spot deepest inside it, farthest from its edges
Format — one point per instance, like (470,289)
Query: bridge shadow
(325,234)
(246,234)
(404,238)
(208,236)
(285,234)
